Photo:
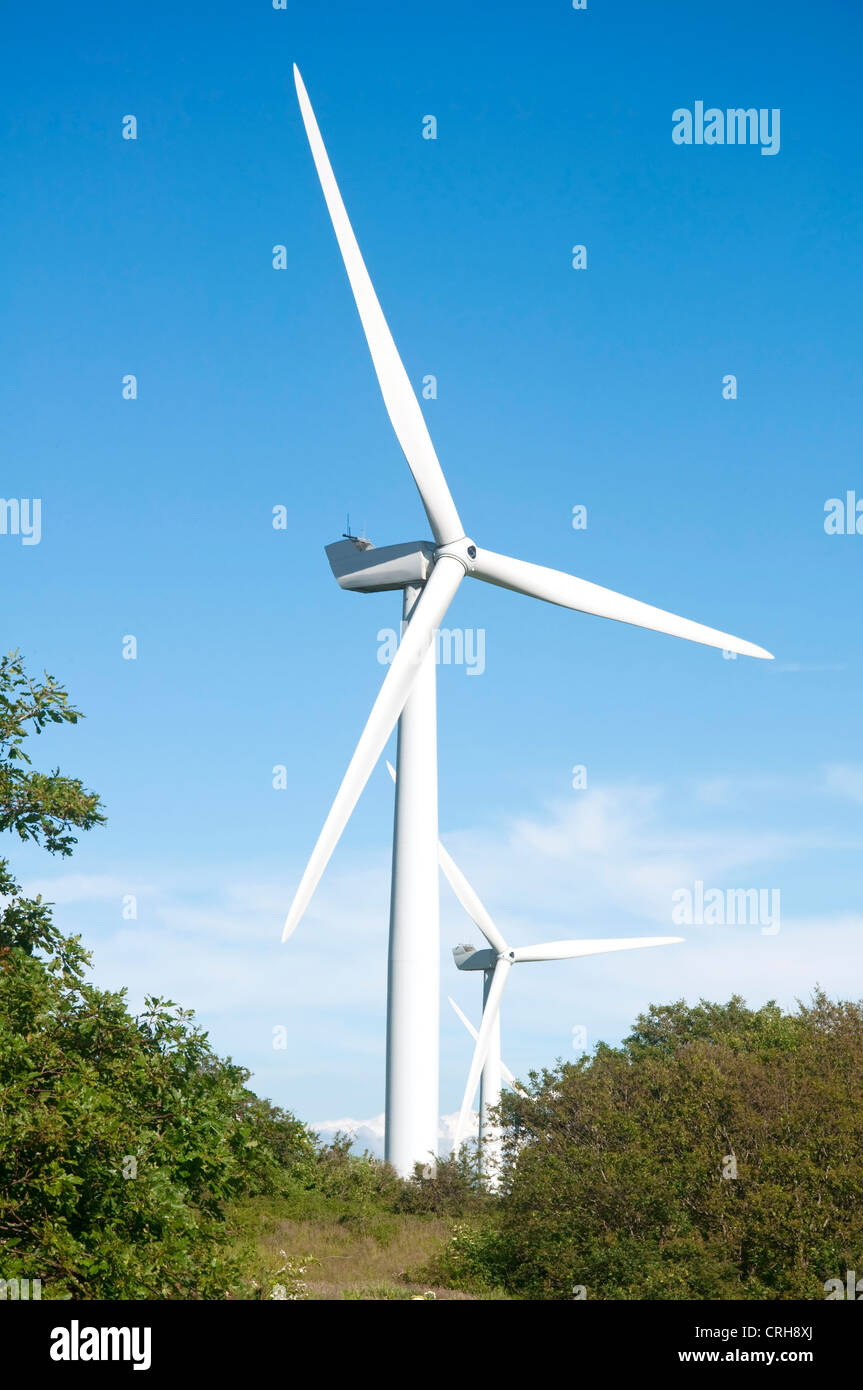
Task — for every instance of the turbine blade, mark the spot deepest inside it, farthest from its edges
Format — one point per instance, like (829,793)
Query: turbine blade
(504,1069)
(391,699)
(401,403)
(466,895)
(569,950)
(553,586)
(489,1014)
(469,900)
(510,1079)
(464,1018)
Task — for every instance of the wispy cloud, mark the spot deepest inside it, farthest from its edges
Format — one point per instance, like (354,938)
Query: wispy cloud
(369,1134)
(845,779)
(85,888)
(309,1017)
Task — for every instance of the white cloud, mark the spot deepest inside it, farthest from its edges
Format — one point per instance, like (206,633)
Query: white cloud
(605,862)
(619,849)
(369,1134)
(83,888)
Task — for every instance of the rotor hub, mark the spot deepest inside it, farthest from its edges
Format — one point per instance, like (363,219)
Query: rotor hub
(462,550)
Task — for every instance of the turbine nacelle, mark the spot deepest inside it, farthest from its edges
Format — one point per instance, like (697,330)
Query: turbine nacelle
(374,570)
(366,569)
(472,958)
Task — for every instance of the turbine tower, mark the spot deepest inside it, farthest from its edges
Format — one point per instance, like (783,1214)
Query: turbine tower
(428,573)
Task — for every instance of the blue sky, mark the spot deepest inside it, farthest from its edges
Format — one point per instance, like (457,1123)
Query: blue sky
(556,387)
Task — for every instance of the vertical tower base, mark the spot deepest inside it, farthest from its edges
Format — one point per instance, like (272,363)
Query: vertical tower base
(413,996)
(490,1145)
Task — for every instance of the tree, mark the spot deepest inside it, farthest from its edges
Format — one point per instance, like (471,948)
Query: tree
(120,1137)
(38,806)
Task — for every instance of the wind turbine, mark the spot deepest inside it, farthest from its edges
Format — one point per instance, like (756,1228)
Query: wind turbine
(495,962)
(428,573)
(487,1062)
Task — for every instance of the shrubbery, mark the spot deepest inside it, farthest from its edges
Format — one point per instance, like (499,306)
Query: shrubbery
(122,1139)
(714,1155)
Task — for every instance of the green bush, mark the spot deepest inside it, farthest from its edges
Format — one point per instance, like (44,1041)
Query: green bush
(122,1138)
(621,1174)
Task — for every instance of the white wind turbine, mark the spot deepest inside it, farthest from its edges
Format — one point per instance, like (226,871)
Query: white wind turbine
(487,1066)
(496,961)
(428,573)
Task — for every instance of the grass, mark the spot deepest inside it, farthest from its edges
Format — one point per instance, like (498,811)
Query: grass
(321,1255)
